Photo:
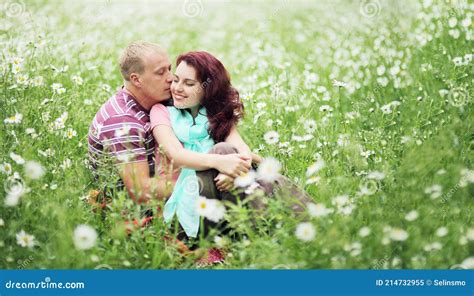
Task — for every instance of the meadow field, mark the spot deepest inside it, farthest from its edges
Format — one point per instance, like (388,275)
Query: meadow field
(366,104)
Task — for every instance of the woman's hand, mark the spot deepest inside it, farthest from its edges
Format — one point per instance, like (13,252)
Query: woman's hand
(232,165)
(256,158)
(224,182)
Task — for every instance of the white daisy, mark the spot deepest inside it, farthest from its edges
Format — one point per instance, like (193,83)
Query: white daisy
(364,231)
(271,137)
(305,231)
(269,169)
(318,210)
(34,170)
(84,237)
(70,133)
(6,168)
(211,209)
(17,158)
(398,234)
(442,231)
(411,216)
(25,240)
(245,180)
(316,167)
(15,119)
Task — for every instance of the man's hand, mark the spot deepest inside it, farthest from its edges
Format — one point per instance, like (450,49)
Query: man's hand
(224,182)
(140,186)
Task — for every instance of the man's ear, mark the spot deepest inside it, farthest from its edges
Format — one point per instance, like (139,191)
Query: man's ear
(135,80)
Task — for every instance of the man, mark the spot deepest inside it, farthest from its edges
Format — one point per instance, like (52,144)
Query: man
(120,131)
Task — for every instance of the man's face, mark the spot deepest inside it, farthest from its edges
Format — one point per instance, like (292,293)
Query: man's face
(157,77)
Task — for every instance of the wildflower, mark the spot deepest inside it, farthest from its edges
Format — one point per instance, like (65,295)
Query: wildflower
(411,216)
(458,61)
(364,231)
(387,109)
(398,234)
(316,167)
(271,137)
(245,180)
(470,234)
(60,121)
(318,210)
(452,22)
(376,175)
(58,88)
(84,237)
(454,33)
(354,248)
(261,105)
(6,168)
(15,119)
(305,231)
(313,180)
(380,70)
(468,263)
(13,196)
(21,79)
(337,83)
(434,191)
(269,169)
(383,81)
(17,158)
(34,170)
(77,80)
(37,81)
(325,108)
(211,209)
(467,176)
(310,125)
(442,231)
(25,240)
(70,133)
(220,241)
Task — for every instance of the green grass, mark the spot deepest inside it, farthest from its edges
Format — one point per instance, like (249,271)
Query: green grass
(271,50)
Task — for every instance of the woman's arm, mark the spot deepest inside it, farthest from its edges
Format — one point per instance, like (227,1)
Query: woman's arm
(236,140)
(230,164)
(223,182)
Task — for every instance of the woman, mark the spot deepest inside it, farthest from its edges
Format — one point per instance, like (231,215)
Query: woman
(205,112)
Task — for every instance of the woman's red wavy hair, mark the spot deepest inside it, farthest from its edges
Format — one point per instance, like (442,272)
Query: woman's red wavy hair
(221,99)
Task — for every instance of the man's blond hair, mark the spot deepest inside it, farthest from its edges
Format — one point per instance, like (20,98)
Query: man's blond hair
(131,60)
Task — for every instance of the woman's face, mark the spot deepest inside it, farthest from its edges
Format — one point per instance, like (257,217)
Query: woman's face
(185,88)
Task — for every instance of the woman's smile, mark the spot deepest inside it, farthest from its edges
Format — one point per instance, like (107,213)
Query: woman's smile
(178,97)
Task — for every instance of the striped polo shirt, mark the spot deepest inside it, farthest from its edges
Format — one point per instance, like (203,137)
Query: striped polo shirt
(121,132)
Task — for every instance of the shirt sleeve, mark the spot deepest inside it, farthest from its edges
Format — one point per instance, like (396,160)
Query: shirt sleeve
(159,115)
(123,137)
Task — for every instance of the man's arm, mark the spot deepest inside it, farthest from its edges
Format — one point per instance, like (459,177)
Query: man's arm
(231,164)
(140,186)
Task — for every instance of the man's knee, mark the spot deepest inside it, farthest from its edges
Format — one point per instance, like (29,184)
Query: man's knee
(223,148)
